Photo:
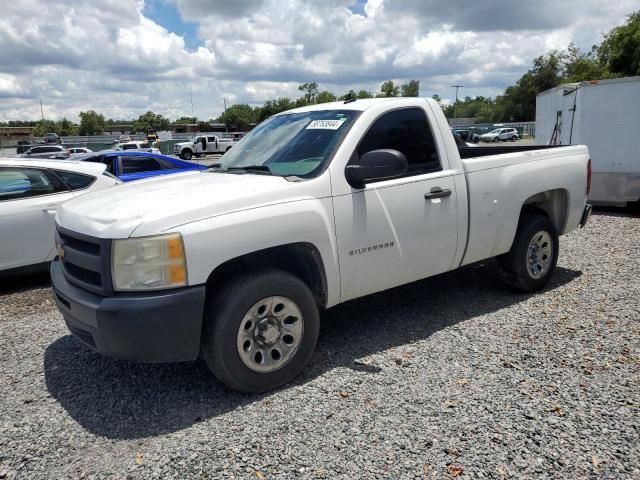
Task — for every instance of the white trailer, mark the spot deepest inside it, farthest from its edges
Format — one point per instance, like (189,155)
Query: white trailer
(605,116)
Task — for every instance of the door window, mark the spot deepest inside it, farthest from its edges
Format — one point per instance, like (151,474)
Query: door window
(75,181)
(139,164)
(408,131)
(16,183)
(108,161)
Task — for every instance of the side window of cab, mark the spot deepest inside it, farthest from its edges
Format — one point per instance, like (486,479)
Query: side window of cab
(408,131)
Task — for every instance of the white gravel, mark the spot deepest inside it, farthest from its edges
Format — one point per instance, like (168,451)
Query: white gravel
(452,376)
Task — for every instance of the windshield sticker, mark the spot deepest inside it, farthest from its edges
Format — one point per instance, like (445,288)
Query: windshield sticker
(326,124)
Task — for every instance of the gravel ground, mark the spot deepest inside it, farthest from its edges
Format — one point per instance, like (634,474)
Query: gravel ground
(454,376)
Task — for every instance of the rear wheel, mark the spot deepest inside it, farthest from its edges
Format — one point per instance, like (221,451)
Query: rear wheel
(514,138)
(532,259)
(260,331)
(187,154)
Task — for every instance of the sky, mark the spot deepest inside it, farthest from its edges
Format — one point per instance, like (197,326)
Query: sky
(125,57)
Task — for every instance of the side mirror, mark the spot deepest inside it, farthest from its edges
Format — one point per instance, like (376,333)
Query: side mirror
(376,165)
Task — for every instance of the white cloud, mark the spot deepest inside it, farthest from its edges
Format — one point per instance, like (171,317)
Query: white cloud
(111,57)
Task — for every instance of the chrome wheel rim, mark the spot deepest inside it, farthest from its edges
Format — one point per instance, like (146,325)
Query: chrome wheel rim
(539,254)
(270,334)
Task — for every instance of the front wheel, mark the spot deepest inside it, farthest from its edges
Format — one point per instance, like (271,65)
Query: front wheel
(260,331)
(496,139)
(532,259)
(187,154)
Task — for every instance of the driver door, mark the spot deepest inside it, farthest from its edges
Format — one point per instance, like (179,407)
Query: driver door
(393,232)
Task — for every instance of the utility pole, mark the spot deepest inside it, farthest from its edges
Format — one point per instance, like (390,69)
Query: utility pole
(455,104)
(191,96)
(41,111)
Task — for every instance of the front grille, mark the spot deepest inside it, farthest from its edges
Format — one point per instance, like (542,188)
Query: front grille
(86,261)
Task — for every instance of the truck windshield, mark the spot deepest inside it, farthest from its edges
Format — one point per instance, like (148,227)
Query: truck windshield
(295,144)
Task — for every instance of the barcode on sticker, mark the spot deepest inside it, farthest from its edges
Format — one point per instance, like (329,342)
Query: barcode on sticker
(326,124)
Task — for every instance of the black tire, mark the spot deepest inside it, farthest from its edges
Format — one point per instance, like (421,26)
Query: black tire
(223,317)
(496,139)
(514,266)
(186,154)
(514,138)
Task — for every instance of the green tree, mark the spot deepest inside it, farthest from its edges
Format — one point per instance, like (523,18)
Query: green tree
(186,120)
(238,117)
(150,121)
(91,123)
(388,89)
(325,97)
(43,127)
(410,89)
(310,90)
(65,127)
(580,66)
(351,94)
(620,50)
(364,94)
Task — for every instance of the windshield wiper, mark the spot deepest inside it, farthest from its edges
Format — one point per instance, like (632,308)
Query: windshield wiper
(264,169)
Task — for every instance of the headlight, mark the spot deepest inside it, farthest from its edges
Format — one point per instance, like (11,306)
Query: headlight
(149,263)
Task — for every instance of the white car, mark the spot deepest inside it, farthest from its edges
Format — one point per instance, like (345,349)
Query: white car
(136,145)
(30,193)
(79,150)
(500,134)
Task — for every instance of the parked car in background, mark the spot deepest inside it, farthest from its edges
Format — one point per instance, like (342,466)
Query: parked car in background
(138,165)
(23,146)
(500,134)
(203,144)
(79,150)
(462,143)
(467,135)
(52,138)
(30,193)
(136,145)
(47,151)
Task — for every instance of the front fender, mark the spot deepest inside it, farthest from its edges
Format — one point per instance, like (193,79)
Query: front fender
(214,241)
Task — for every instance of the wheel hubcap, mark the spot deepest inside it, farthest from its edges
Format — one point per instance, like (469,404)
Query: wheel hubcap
(539,254)
(270,334)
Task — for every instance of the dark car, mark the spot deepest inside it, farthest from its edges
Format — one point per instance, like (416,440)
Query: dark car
(23,146)
(135,165)
(52,138)
(467,135)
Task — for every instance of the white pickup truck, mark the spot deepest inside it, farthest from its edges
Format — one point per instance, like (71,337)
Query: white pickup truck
(203,144)
(314,207)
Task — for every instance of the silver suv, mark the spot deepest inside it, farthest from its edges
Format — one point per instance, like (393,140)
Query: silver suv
(47,151)
(499,134)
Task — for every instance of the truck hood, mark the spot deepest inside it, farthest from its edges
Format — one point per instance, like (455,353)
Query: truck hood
(152,206)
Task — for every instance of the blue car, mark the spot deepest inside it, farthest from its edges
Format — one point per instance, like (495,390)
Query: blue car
(131,166)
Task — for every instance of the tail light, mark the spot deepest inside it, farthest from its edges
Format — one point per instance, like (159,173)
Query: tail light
(589,177)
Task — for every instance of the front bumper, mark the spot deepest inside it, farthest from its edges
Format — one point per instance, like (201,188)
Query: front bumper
(161,326)
(586,214)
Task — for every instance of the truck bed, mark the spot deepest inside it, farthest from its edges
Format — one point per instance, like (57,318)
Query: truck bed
(474,152)
(502,179)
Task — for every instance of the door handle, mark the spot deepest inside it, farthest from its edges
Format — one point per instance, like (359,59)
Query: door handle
(52,209)
(437,192)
